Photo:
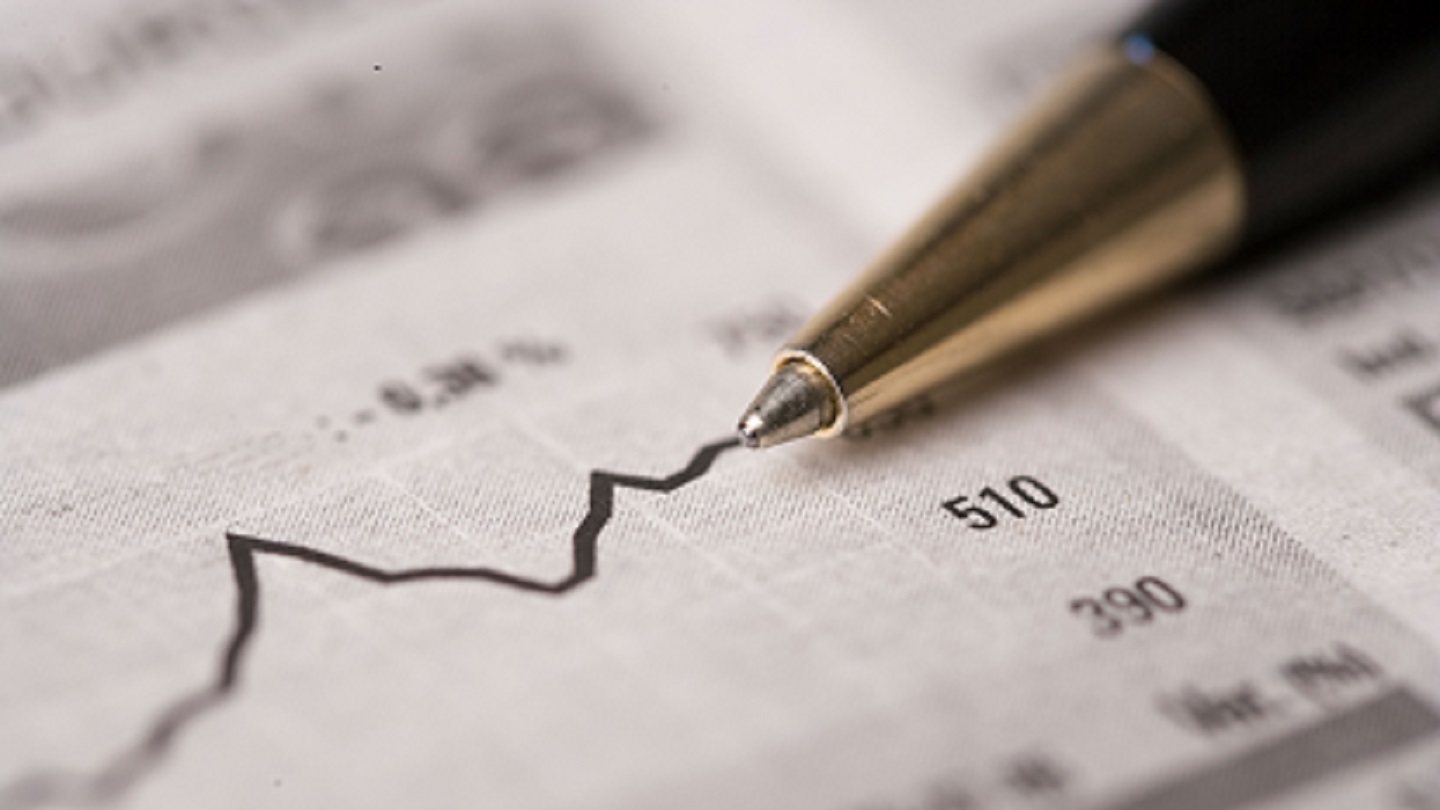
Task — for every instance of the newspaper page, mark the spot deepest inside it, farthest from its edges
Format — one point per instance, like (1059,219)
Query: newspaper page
(367,378)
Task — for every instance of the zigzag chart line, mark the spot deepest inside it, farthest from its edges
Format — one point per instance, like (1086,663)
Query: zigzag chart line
(133,763)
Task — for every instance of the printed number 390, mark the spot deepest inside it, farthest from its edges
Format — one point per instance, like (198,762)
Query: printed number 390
(1117,608)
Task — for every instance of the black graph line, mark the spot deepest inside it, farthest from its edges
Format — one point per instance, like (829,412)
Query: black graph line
(113,779)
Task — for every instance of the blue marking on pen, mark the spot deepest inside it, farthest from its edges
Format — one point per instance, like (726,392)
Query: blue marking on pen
(1138,49)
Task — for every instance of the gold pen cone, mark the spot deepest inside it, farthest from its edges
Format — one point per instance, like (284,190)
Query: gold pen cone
(1121,180)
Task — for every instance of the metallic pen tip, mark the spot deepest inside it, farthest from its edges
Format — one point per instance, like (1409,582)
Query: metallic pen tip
(752,427)
(797,401)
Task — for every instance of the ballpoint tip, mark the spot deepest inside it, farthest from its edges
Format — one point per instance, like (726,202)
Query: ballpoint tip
(797,401)
(751,428)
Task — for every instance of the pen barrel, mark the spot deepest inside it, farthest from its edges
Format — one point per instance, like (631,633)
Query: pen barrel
(1324,98)
(1122,180)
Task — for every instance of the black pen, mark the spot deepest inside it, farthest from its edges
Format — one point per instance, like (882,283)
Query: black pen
(1204,126)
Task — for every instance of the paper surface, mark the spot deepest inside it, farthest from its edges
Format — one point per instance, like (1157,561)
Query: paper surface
(366,375)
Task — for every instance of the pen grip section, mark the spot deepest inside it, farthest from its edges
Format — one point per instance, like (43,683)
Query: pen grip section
(1324,98)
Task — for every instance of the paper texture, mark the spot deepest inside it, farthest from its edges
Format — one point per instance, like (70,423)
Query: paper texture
(366,376)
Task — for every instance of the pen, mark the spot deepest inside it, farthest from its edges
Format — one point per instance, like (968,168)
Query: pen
(1204,126)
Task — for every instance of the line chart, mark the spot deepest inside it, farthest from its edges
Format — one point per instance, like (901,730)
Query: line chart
(123,770)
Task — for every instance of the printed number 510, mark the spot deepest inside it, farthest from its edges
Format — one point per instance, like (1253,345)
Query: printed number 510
(1023,496)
